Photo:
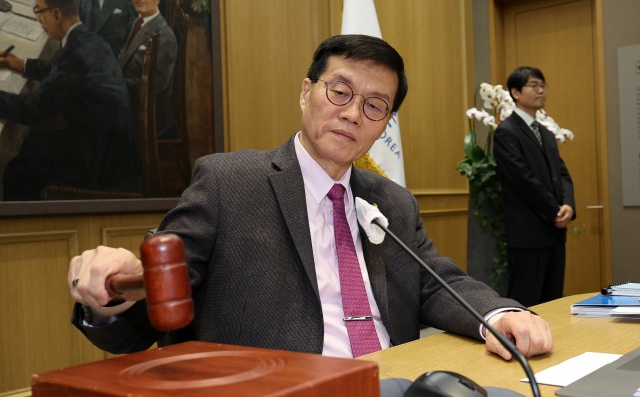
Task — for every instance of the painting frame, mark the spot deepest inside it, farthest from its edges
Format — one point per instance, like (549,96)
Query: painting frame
(16,209)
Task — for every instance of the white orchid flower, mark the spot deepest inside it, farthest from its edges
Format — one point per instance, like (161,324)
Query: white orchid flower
(551,125)
(487,91)
(490,121)
(560,138)
(565,132)
(541,113)
(502,94)
(504,110)
(481,115)
(471,113)
(490,104)
(505,113)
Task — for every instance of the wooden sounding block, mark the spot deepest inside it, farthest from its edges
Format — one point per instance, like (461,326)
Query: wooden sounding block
(209,369)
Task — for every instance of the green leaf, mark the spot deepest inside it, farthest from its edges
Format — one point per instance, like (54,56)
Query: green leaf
(471,148)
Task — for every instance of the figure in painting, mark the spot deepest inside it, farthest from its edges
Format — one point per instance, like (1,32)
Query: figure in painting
(131,59)
(83,82)
(110,19)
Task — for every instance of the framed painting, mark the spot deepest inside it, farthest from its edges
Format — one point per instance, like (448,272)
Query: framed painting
(176,113)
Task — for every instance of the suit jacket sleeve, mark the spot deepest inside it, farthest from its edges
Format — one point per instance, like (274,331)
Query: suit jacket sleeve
(406,293)
(438,308)
(197,221)
(567,188)
(167,54)
(64,76)
(515,171)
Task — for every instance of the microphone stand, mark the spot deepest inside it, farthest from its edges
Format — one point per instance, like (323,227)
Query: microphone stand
(505,342)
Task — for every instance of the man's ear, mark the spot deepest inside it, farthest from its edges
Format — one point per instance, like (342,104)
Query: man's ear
(57,15)
(306,87)
(515,94)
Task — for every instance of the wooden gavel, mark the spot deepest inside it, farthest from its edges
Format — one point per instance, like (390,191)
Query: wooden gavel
(165,281)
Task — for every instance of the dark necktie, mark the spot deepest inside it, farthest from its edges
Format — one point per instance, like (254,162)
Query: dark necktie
(535,127)
(134,31)
(95,11)
(357,312)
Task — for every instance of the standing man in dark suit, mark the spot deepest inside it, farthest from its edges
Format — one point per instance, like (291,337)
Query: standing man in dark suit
(132,56)
(110,19)
(83,82)
(538,194)
(269,236)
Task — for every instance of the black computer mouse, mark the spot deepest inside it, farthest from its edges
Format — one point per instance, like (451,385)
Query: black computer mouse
(444,384)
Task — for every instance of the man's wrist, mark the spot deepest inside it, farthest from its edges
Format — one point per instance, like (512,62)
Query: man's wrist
(493,316)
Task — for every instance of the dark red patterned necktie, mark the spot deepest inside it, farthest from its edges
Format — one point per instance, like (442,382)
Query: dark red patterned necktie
(134,31)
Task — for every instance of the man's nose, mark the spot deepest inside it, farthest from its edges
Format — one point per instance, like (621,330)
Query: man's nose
(352,110)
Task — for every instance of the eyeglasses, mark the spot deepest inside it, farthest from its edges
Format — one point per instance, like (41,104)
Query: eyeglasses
(538,86)
(37,11)
(340,93)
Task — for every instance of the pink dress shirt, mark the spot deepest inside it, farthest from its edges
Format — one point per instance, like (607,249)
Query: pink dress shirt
(317,184)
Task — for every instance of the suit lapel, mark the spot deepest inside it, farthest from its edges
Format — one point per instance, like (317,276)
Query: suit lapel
(105,12)
(528,132)
(288,187)
(146,30)
(374,254)
(548,140)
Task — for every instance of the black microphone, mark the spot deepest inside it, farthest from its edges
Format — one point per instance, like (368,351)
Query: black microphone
(504,341)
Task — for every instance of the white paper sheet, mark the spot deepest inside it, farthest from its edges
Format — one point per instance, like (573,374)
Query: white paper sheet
(633,311)
(574,368)
(23,27)
(29,3)
(4,74)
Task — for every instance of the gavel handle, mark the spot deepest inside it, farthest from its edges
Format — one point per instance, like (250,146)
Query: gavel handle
(120,284)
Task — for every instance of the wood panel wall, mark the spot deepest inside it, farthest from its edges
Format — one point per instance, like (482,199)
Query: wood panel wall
(267,47)
(35,304)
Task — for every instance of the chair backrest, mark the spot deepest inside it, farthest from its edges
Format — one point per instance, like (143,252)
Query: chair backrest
(170,11)
(147,135)
(178,95)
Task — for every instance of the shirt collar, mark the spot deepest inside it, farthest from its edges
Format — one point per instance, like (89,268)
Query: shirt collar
(316,180)
(147,19)
(524,115)
(66,35)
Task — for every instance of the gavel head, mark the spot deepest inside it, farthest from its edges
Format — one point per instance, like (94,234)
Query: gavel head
(166,279)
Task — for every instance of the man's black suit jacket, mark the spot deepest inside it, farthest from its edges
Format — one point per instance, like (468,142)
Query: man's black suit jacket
(83,81)
(114,21)
(246,232)
(535,183)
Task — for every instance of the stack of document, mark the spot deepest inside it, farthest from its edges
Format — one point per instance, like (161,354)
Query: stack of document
(608,306)
(626,288)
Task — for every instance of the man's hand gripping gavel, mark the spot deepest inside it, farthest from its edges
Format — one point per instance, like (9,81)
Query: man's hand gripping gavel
(104,274)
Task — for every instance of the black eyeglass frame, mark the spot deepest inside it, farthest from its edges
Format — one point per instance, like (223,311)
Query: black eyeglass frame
(327,83)
(37,11)
(536,87)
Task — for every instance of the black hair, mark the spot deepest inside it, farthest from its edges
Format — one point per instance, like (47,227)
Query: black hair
(519,77)
(361,48)
(66,7)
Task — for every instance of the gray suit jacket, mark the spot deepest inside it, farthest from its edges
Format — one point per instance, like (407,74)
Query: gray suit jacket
(246,232)
(131,59)
(114,21)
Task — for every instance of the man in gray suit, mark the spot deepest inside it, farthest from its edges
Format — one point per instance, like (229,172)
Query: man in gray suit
(132,56)
(110,19)
(264,262)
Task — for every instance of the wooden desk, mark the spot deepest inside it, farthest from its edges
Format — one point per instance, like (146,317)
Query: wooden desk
(572,336)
